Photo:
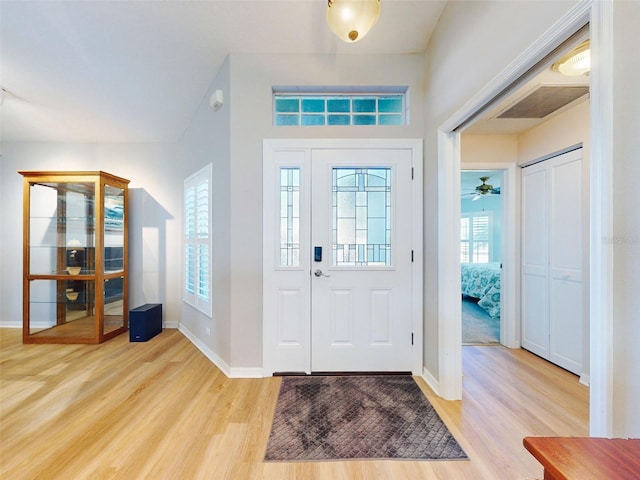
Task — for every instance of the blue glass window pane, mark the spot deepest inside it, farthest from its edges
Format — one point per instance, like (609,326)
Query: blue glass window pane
(312,119)
(377,205)
(390,120)
(377,177)
(376,233)
(313,105)
(285,120)
(390,104)
(364,104)
(338,120)
(339,110)
(338,105)
(364,119)
(346,204)
(344,177)
(287,105)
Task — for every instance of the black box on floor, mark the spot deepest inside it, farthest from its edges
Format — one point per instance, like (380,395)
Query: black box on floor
(145,322)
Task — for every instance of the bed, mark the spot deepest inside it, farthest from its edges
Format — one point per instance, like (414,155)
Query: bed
(482,281)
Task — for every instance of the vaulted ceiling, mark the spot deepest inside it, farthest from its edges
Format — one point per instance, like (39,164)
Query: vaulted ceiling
(135,71)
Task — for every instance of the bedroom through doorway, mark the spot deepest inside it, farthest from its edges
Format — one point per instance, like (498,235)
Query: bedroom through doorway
(481,247)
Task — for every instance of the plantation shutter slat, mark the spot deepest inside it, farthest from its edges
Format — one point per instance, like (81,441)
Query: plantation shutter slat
(197,240)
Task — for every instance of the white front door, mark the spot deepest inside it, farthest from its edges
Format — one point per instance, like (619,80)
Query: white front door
(361,285)
(342,274)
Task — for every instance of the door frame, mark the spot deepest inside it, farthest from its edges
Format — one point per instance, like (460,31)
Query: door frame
(599,16)
(509,309)
(415,145)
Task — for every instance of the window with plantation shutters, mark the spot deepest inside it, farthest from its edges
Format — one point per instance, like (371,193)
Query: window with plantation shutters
(475,237)
(197,240)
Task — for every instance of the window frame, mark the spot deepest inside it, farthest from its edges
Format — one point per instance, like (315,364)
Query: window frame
(200,241)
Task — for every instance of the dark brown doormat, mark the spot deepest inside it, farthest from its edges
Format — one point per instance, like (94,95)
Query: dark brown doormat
(357,417)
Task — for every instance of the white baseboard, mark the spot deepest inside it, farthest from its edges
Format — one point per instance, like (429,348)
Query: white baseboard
(11,325)
(210,354)
(431,381)
(172,325)
(231,372)
(246,372)
(585,379)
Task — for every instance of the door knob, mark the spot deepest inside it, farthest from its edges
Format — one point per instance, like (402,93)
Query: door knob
(318,273)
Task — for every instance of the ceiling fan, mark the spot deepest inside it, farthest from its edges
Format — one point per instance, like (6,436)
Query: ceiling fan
(483,189)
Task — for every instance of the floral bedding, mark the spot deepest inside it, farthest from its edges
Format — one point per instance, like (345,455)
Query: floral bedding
(482,281)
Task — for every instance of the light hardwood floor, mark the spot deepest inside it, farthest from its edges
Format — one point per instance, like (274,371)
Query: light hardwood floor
(161,410)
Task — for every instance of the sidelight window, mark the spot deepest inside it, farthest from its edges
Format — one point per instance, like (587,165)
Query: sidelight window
(289,217)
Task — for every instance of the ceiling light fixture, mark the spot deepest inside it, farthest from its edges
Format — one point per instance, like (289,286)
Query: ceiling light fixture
(351,20)
(576,62)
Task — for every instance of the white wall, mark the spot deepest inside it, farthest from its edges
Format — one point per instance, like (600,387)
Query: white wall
(563,130)
(473,42)
(154,226)
(626,221)
(252,78)
(207,140)
(476,148)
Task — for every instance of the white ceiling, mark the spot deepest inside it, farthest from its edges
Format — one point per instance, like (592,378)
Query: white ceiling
(135,71)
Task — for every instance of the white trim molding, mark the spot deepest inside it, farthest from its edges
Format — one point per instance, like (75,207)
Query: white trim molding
(601,222)
(431,381)
(210,354)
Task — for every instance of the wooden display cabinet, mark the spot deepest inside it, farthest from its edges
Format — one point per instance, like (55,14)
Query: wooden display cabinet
(74,257)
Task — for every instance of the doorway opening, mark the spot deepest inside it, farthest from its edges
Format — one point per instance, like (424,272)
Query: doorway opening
(481,255)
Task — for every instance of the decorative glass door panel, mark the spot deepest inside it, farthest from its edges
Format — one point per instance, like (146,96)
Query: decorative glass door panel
(361,216)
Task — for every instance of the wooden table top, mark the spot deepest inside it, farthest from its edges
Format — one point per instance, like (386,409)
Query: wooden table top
(583,458)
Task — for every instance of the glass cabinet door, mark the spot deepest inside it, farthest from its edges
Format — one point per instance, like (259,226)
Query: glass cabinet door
(114,234)
(61,243)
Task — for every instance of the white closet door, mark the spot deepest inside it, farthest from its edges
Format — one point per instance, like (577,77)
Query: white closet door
(535,260)
(552,290)
(565,261)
